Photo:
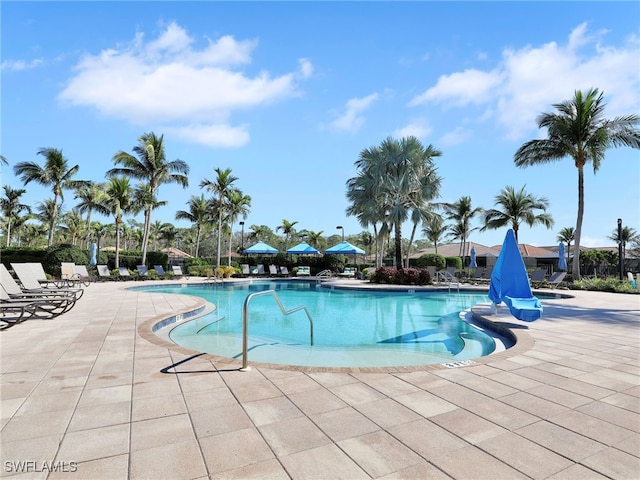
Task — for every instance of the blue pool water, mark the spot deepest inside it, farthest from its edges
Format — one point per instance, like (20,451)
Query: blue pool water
(352,328)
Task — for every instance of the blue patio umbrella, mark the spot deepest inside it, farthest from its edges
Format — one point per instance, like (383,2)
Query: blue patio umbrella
(94,251)
(261,248)
(345,248)
(562,259)
(473,258)
(303,249)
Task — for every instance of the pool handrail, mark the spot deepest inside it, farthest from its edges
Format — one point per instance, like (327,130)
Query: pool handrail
(245,321)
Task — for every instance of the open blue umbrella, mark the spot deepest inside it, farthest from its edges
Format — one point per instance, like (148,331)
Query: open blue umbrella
(303,249)
(345,248)
(473,258)
(562,259)
(261,248)
(94,250)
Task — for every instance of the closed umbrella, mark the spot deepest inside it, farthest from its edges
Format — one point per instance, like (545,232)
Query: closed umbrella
(562,260)
(94,250)
(473,258)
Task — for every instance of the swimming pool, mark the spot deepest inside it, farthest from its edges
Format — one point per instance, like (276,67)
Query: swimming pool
(352,328)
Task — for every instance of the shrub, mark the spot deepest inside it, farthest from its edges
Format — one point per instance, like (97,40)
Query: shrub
(431,260)
(454,262)
(603,285)
(403,276)
(63,252)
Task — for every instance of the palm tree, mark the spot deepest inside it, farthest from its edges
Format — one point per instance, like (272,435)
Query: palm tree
(73,225)
(628,235)
(198,214)
(461,212)
(395,182)
(517,207)
(580,132)
(49,214)
(237,207)
(566,235)
(150,166)
(221,187)
(11,207)
(315,239)
(434,230)
(288,229)
(4,160)
(92,197)
(120,202)
(55,173)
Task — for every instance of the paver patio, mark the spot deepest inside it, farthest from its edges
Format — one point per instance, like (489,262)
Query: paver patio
(87,396)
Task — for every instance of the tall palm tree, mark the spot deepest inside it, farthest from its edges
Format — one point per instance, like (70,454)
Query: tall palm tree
(315,239)
(151,167)
(515,208)
(221,188)
(12,208)
(119,201)
(580,132)
(461,212)
(198,214)
(260,233)
(237,207)
(92,197)
(288,229)
(395,182)
(55,174)
(566,235)
(434,230)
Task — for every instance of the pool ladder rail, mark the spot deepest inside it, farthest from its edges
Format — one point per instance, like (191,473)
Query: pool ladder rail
(245,321)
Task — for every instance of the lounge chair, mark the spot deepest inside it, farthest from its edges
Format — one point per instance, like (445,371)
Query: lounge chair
(82,275)
(537,277)
(273,270)
(124,273)
(304,271)
(246,271)
(40,275)
(142,270)
(486,275)
(56,301)
(284,271)
(28,276)
(103,272)
(261,271)
(477,274)
(348,272)
(68,274)
(555,279)
(177,271)
(159,270)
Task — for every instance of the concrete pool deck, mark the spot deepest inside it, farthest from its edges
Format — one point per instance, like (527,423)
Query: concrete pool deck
(87,396)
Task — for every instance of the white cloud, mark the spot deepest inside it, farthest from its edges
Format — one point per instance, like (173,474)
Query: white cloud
(455,137)
(170,80)
(418,128)
(529,80)
(351,120)
(19,65)
(212,135)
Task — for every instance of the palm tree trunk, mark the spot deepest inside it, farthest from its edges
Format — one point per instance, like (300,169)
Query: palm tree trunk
(575,266)
(118,244)
(9,232)
(145,234)
(229,257)
(52,223)
(413,233)
(398,229)
(219,239)
(198,229)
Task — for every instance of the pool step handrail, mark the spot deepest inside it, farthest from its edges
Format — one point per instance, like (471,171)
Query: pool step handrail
(245,321)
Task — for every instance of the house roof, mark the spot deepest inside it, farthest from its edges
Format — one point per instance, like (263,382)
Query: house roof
(453,250)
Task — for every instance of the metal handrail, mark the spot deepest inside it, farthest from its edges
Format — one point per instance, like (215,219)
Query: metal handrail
(245,321)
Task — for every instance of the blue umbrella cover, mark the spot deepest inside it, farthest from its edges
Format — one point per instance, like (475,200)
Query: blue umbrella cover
(473,258)
(562,259)
(94,250)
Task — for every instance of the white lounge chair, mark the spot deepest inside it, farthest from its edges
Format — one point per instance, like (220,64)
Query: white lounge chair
(103,272)
(177,271)
(304,271)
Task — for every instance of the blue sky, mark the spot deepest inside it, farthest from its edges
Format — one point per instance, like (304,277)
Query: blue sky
(287,94)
